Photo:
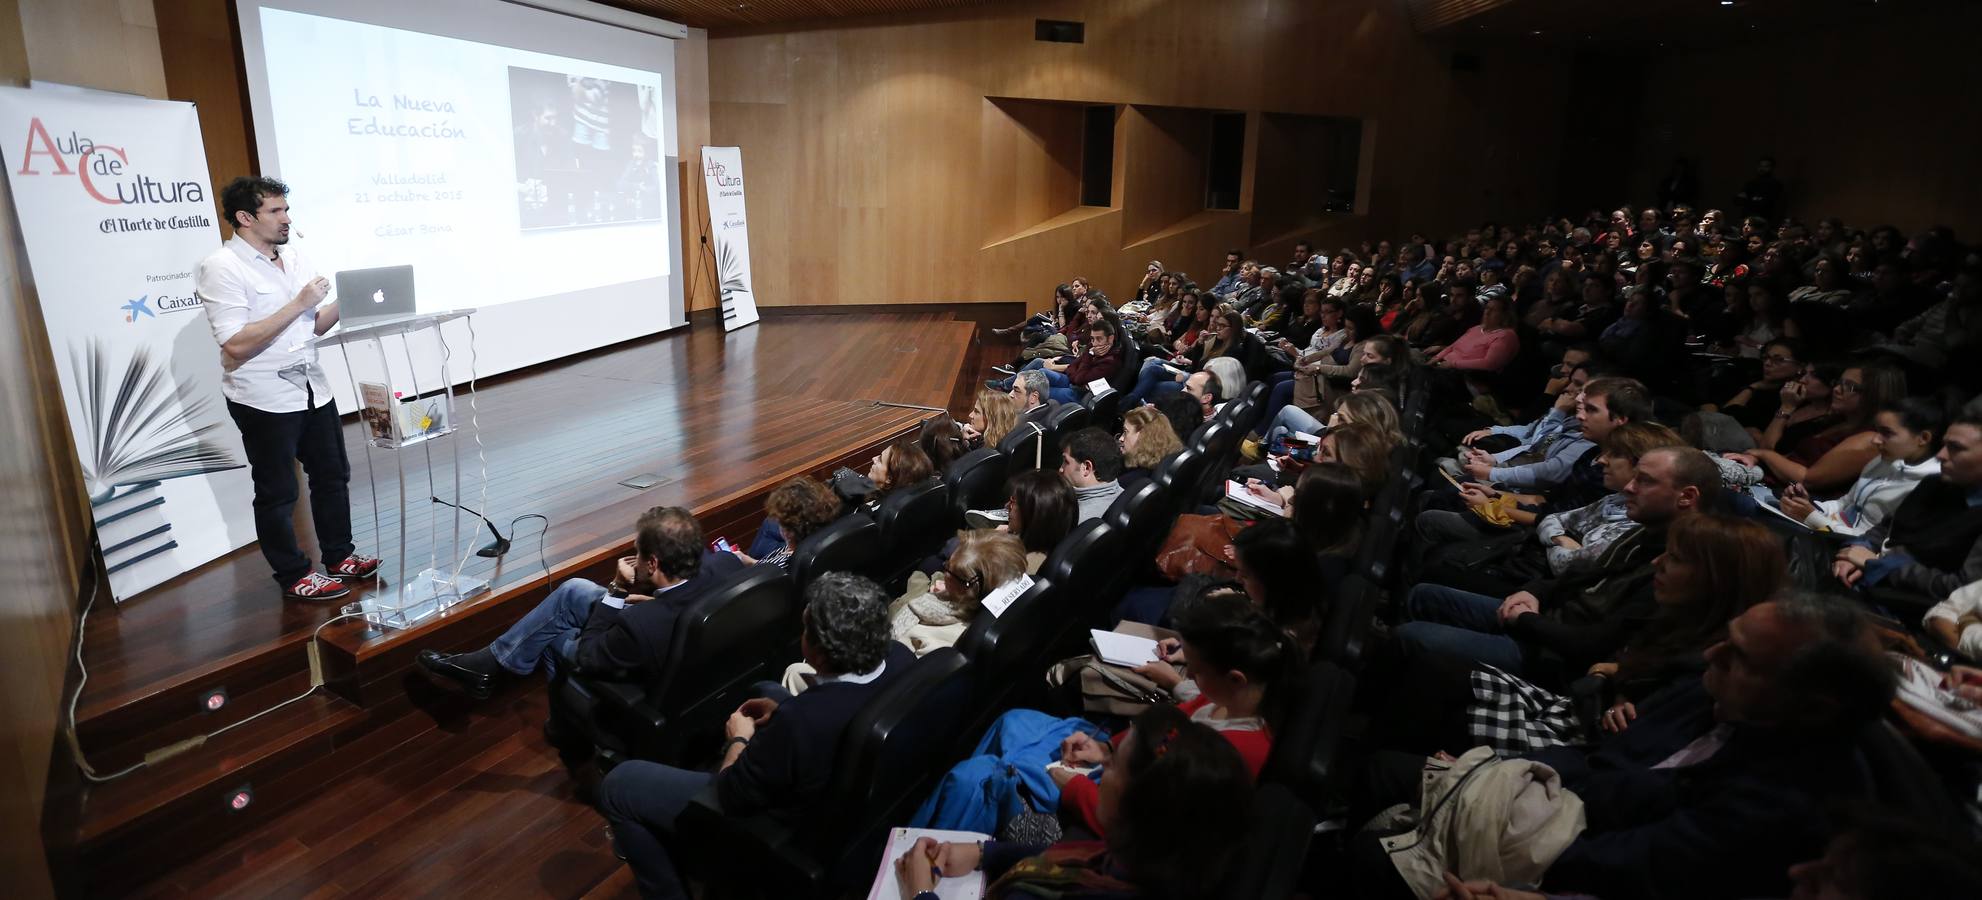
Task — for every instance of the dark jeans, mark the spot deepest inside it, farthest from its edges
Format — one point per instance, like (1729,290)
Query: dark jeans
(642,800)
(1457,623)
(274,443)
(1151,380)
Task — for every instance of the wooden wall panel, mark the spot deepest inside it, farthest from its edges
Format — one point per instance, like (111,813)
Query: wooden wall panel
(1031,155)
(1165,153)
(199,67)
(94,43)
(108,45)
(912,89)
(691,116)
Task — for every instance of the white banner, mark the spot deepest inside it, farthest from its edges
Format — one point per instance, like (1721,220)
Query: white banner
(729,233)
(115,208)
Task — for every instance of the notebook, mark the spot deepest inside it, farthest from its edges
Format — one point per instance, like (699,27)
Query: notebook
(1237,492)
(1120,649)
(1772,507)
(901,840)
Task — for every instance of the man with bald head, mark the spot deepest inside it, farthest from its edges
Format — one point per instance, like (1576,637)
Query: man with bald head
(1555,628)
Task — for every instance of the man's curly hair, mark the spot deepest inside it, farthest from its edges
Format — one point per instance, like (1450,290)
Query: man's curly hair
(846,621)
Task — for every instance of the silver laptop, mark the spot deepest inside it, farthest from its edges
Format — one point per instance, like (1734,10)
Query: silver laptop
(370,296)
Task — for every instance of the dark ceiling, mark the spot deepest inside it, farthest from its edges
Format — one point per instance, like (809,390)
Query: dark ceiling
(1669,23)
(729,13)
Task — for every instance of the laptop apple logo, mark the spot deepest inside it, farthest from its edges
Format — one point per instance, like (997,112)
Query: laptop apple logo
(378,296)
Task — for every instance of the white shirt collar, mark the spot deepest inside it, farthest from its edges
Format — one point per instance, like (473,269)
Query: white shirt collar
(247,251)
(860,678)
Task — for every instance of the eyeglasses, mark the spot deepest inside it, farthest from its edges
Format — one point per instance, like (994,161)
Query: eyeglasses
(960,579)
(1849,387)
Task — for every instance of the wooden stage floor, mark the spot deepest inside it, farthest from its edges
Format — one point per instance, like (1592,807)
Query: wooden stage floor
(721,417)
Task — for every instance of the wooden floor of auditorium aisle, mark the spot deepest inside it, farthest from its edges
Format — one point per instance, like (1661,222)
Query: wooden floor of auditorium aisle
(477,806)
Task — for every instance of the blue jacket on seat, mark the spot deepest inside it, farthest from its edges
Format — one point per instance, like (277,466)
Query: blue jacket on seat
(983,792)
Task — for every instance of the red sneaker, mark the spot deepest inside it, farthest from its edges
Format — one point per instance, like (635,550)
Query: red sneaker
(355,566)
(316,586)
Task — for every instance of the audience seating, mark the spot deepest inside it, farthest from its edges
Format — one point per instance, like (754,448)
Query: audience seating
(851,543)
(1072,592)
(1143,515)
(1347,621)
(976,480)
(1277,835)
(1026,449)
(1084,566)
(1305,758)
(997,645)
(1106,410)
(1246,413)
(889,754)
(1179,474)
(729,639)
(1220,445)
(915,521)
(1064,420)
(908,736)
(1905,782)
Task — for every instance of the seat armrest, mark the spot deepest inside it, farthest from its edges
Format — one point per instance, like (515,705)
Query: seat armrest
(626,696)
(744,843)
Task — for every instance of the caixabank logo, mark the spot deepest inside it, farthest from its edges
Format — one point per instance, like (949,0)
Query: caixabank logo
(108,175)
(149,306)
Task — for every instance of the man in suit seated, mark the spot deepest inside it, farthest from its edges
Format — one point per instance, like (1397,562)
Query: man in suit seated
(622,628)
(779,753)
(1718,784)
(1035,396)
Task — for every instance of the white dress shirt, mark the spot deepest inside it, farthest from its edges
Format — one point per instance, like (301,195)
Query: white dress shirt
(238,285)
(1965,601)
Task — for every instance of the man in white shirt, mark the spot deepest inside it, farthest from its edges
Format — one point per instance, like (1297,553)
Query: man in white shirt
(262,302)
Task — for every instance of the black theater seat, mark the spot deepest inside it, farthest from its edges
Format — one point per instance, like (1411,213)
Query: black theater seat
(852,543)
(976,480)
(733,636)
(890,753)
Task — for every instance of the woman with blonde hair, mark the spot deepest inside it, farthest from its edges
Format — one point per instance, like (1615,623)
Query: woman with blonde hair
(991,418)
(983,562)
(1372,408)
(1147,439)
(1369,407)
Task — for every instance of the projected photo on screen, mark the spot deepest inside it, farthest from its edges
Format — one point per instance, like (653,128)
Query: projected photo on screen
(587,150)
